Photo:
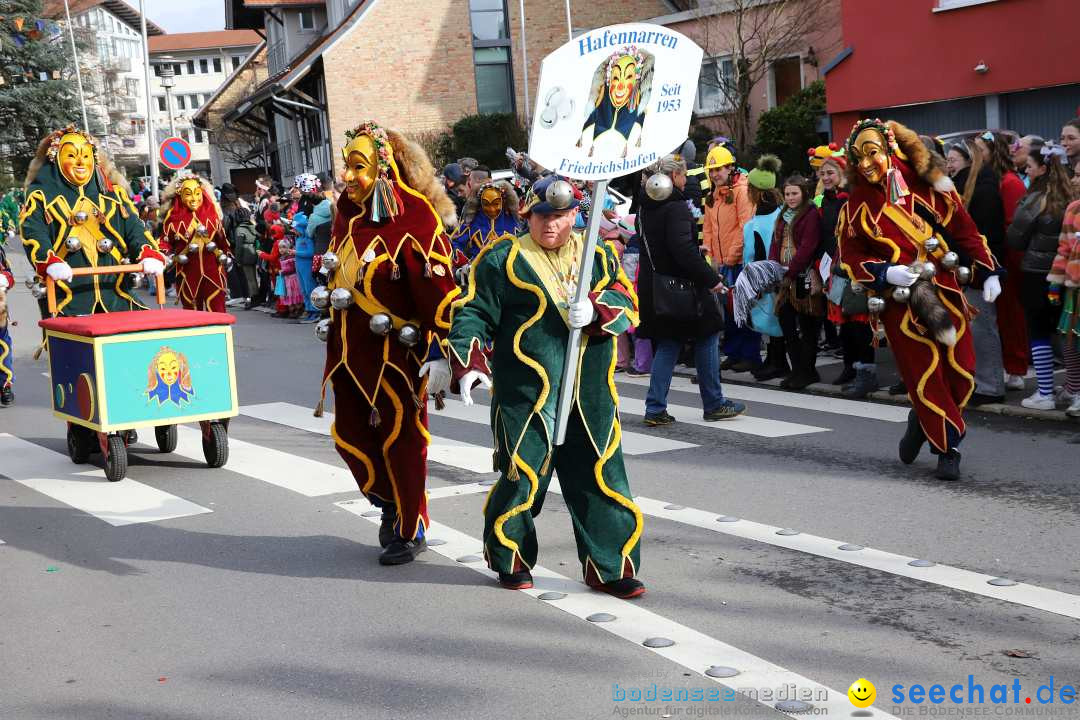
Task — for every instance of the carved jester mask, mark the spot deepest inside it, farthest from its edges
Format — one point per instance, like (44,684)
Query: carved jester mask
(73,153)
(361,168)
(491,201)
(871,154)
(191,194)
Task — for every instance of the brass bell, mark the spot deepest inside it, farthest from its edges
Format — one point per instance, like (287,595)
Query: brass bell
(409,335)
(658,187)
(341,298)
(963,275)
(322,329)
(200,230)
(37,290)
(182,258)
(560,195)
(320,297)
(932,244)
(950,260)
(330,262)
(80,217)
(875,304)
(211,246)
(380,324)
(928,271)
(104,245)
(73,244)
(901,294)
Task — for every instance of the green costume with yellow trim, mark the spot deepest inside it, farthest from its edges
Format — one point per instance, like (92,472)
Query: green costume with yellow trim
(517,301)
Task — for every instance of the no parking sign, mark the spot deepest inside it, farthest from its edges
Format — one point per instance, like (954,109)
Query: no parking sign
(175,153)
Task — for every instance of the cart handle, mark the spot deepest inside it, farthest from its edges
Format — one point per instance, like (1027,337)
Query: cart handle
(50,283)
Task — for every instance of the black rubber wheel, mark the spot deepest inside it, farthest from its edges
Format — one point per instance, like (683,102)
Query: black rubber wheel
(166,438)
(216,446)
(80,444)
(117,461)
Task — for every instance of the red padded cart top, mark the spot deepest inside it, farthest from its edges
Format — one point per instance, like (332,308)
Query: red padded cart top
(117,323)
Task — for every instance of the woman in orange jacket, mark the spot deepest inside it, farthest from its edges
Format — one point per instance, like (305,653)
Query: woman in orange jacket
(727,208)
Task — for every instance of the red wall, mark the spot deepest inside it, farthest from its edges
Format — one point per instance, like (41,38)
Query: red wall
(904,53)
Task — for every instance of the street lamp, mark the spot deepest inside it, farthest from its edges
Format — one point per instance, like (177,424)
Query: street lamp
(167,82)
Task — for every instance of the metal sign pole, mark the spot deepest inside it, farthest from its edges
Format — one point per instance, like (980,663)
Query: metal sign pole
(584,286)
(151,139)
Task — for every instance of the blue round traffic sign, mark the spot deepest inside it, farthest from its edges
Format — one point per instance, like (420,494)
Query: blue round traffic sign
(175,153)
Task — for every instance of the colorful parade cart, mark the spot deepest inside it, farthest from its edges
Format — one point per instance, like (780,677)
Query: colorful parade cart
(114,373)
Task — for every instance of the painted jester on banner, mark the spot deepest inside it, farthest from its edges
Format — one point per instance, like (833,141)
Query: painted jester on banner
(491,212)
(191,229)
(620,92)
(520,300)
(905,236)
(390,287)
(78,214)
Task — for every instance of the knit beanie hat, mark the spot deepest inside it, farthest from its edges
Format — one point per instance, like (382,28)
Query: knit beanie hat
(763,177)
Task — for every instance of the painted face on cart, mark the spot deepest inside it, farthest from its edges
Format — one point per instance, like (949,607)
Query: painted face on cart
(361,168)
(168,368)
(871,155)
(191,194)
(624,74)
(76,159)
(491,202)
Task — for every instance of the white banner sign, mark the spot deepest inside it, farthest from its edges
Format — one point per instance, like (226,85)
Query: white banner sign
(614,100)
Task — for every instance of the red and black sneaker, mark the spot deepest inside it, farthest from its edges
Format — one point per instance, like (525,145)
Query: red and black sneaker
(520,580)
(625,588)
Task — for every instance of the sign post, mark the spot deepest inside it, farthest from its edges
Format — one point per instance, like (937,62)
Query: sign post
(174,153)
(610,102)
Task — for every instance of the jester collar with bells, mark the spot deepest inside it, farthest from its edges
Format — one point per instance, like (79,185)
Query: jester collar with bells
(85,230)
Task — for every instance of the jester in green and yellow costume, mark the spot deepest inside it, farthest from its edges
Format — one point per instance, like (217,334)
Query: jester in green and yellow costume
(520,304)
(77,214)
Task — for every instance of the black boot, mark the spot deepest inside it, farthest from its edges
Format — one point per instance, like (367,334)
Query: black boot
(898,389)
(7,396)
(521,580)
(386,527)
(401,551)
(948,466)
(775,361)
(913,439)
(866,382)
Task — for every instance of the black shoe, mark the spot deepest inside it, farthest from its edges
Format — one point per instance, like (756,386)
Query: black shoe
(948,466)
(521,580)
(978,399)
(624,589)
(745,366)
(7,396)
(913,439)
(898,389)
(399,551)
(728,363)
(768,372)
(633,372)
(800,380)
(659,419)
(725,412)
(845,377)
(386,527)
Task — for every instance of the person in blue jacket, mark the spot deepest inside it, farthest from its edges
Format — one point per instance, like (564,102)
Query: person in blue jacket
(757,239)
(310,187)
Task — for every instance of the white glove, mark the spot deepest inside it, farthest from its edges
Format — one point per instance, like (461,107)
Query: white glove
(991,288)
(153,266)
(581,313)
(60,271)
(438,375)
(467,382)
(3,282)
(901,276)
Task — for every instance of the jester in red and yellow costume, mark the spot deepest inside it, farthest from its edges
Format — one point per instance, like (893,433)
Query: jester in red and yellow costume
(191,229)
(906,238)
(390,286)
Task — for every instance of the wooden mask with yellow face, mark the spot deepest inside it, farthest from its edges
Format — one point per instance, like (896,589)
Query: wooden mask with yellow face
(491,201)
(191,194)
(361,168)
(75,158)
(870,150)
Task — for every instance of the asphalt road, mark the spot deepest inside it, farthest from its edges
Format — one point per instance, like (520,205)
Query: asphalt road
(262,597)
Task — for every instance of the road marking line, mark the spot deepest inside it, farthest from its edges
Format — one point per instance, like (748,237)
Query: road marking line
(692,650)
(126,502)
(819,403)
(300,417)
(746,424)
(457,490)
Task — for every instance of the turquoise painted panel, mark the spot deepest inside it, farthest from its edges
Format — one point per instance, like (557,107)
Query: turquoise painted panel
(168,377)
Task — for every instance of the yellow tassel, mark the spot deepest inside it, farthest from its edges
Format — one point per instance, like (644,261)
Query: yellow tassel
(319,407)
(495,461)
(547,464)
(512,474)
(40,349)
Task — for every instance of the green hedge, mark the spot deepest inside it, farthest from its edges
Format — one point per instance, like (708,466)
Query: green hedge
(789,129)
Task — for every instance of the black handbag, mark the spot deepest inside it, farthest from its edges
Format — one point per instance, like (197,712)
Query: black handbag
(675,299)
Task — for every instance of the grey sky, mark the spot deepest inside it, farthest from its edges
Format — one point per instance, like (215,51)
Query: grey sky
(178,16)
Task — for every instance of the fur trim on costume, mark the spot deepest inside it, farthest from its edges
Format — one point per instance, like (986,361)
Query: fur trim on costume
(509,195)
(931,312)
(41,156)
(911,148)
(418,173)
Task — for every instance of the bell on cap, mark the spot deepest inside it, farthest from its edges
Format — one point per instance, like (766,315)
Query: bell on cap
(81,217)
(560,194)
(380,324)
(409,335)
(182,258)
(73,244)
(211,246)
(963,275)
(341,298)
(320,297)
(875,304)
(932,244)
(322,329)
(658,187)
(104,245)
(901,294)
(330,262)
(950,260)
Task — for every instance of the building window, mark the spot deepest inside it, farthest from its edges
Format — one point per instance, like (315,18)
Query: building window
(491,56)
(236,60)
(193,102)
(307,19)
(198,135)
(161,103)
(217,64)
(180,103)
(190,67)
(717,75)
(186,134)
(204,66)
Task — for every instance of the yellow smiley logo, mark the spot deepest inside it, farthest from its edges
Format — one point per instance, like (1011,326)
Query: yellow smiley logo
(862,693)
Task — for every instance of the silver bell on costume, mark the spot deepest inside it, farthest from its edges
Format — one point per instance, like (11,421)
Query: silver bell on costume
(211,246)
(857,288)
(560,194)
(330,262)
(927,271)
(193,247)
(73,244)
(200,230)
(380,324)
(341,298)
(104,245)
(875,304)
(901,294)
(322,329)
(658,187)
(138,280)
(950,260)
(223,259)
(37,290)
(182,258)
(409,335)
(963,275)
(932,244)
(320,297)
(81,217)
